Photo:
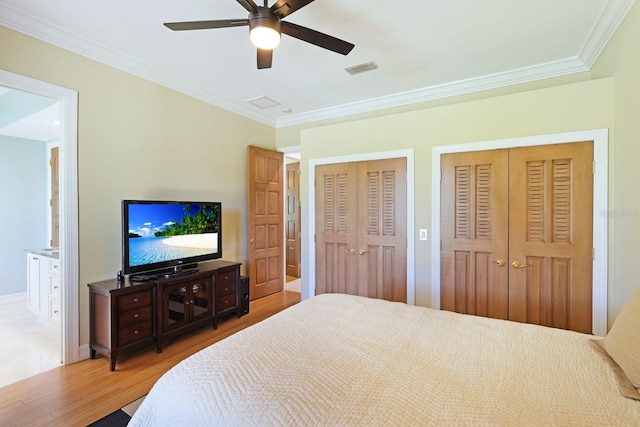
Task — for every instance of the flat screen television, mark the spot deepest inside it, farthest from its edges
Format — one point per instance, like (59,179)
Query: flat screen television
(169,236)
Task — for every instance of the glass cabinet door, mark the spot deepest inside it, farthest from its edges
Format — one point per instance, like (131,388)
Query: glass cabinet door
(175,306)
(201,297)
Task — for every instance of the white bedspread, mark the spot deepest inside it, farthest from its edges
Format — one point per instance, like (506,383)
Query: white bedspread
(340,360)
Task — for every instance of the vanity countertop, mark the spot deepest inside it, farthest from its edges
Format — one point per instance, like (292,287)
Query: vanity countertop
(48,252)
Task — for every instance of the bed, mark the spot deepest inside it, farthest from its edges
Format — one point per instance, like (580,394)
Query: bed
(342,360)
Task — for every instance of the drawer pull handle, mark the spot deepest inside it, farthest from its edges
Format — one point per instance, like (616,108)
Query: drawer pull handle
(135,300)
(135,332)
(55,311)
(226,277)
(55,287)
(226,289)
(136,315)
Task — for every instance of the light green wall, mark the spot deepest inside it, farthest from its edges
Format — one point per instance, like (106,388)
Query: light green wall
(621,59)
(611,99)
(137,139)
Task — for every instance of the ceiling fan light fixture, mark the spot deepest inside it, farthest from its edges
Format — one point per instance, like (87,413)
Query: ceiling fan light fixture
(264,28)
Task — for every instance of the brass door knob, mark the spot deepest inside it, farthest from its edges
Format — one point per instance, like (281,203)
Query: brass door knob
(499,263)
(517,265)
(350,251)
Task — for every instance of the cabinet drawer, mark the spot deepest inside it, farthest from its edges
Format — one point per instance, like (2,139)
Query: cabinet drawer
(135,332)
(225,302)
(137,299)
(54,310)
(54,287)
(137,315)
(54,266)
(225,284)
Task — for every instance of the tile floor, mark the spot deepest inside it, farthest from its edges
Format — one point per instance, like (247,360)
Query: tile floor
(30,344)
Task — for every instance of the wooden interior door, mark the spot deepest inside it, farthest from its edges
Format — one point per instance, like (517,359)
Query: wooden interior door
(551,235)
(292,220)
(54,203)
(474,230)
(361,237)
(537,204)
(266,221)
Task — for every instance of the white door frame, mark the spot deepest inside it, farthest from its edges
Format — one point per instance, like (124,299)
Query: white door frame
(600,138)
(309,280)
(68,159)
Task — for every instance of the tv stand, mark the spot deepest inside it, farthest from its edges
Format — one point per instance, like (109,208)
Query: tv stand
(129,315)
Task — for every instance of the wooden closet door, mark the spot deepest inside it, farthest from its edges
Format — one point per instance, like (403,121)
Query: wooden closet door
(361,237)
(474,231)
(336,229)
(382,236)
(551,235)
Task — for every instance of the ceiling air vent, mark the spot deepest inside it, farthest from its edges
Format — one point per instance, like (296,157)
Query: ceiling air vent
(263,102)
(362,68)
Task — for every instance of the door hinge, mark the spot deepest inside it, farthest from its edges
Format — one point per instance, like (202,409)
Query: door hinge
(593,254)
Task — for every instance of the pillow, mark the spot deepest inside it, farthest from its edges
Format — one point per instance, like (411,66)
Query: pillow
(623,340)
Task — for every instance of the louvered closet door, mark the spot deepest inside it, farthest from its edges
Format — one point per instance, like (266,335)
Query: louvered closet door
(535,266)
(551,233)
(361,238)
(474,230)
(336,229)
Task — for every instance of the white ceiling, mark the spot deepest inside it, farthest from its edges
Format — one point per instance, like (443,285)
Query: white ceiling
(425,49)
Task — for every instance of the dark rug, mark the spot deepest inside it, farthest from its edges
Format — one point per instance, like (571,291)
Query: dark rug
(119,418)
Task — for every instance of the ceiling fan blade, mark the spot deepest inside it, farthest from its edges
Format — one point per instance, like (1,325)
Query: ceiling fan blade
(265,57)
(205,25)
(283,8)
(248,4)
(317,38)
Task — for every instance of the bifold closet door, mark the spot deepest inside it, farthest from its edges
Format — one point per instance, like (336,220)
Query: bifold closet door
(517,234)
(361,238)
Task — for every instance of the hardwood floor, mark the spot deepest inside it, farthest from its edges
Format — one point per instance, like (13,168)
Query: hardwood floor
(79,394)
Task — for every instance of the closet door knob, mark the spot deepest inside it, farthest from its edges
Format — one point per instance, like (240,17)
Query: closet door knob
(499,263)
(517,265)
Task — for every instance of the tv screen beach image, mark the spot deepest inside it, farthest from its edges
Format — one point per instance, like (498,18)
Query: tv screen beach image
(163,232)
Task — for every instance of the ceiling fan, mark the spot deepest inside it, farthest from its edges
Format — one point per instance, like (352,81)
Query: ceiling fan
(266,25)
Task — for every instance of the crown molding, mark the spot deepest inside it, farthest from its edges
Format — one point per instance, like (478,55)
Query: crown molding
(477,84)
(57,36)
(611,17)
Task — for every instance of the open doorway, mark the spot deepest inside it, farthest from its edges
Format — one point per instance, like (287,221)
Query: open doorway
(65,266)
(292,222)
(29,140)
